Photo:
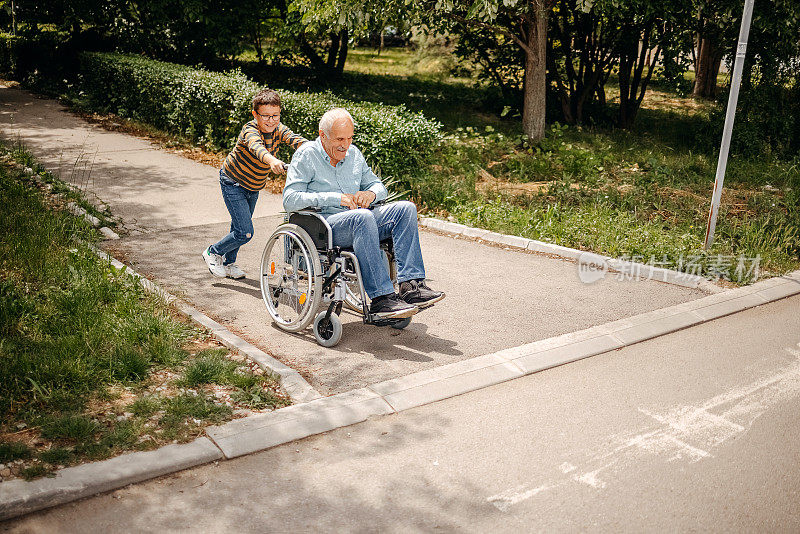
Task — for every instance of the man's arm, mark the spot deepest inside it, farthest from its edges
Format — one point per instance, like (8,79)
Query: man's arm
(296,195)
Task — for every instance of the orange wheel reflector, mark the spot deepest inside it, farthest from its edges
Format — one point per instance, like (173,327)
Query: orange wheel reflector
(302,299)
(272,268)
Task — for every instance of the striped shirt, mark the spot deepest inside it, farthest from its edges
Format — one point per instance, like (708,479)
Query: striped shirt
(247,162)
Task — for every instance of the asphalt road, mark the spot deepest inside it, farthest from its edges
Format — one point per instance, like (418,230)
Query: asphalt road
(694,431)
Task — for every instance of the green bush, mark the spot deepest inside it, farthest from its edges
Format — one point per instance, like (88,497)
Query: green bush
(767,121)
(210,108)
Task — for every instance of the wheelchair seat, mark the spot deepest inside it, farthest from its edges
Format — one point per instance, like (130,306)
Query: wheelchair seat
(320,231)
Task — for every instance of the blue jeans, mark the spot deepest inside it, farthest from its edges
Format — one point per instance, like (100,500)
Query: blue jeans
(364,229)
(241,203)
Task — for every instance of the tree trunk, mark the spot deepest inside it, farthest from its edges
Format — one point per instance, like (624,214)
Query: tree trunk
(333,50)
(706,68)
(344,37)
(533,109)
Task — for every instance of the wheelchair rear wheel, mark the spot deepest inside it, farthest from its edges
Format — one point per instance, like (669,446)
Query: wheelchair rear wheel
(291,278)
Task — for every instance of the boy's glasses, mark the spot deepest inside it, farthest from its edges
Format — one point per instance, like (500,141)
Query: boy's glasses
(269,117)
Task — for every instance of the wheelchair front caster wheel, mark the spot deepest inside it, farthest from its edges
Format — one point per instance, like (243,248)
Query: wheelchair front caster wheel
(328,331)
(402,323)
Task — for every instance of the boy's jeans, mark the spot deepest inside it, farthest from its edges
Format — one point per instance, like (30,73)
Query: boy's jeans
(241,203)
(363,229)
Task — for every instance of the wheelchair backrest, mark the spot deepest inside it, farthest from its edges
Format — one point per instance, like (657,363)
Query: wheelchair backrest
(316,226)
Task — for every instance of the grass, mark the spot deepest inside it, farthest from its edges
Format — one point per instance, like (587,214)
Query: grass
(92,365)
(640,195)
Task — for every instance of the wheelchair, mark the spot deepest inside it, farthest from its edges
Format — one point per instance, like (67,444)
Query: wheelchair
(305,279)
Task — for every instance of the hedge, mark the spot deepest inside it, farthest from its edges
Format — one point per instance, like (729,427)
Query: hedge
(210,108)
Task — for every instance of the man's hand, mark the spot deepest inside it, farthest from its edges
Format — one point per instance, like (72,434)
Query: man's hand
(348,201)
(364,198)
(277,166)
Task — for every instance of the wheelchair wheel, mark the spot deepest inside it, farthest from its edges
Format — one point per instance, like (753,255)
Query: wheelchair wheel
(291,278)
(328,331)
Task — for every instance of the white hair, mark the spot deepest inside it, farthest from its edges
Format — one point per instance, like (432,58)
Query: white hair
(330,117)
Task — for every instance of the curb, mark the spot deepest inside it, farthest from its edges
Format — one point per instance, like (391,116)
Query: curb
(21,497)
(73,207)
(629,268)
(244,436)
(292,382)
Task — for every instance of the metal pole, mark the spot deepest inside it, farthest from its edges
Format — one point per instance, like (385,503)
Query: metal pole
(733,97)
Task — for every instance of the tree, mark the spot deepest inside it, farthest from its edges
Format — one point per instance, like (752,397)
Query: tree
(521,23)
(340,21)
(580,56)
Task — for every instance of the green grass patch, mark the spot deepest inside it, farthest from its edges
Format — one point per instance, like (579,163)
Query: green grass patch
(92,365)
(13,450)
(641,195)
(209,366)
(37,470)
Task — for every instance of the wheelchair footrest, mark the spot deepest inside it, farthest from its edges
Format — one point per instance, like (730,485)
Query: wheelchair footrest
(383,322)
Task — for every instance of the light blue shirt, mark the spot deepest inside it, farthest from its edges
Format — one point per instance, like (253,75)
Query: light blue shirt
(312,181)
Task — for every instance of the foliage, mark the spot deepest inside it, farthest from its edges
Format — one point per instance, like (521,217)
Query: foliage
(641,195)
(211,108)
(767,121)
(509,23)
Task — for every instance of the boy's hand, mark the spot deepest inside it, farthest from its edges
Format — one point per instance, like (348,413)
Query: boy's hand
(277,166)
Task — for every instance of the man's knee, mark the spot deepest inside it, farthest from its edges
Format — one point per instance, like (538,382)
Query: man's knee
(362,216)
(408,209)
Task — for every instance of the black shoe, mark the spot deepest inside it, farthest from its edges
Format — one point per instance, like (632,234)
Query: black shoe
(391,307)
(416,292)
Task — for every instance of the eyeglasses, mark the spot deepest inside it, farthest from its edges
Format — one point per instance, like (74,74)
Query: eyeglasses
(275,117)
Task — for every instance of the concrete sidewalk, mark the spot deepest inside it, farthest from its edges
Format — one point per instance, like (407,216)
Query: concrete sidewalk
(172,209)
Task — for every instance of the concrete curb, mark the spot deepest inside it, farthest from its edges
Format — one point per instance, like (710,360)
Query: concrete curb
(73,207)
(629,268)
(295,422)
(244,436)
(19,497)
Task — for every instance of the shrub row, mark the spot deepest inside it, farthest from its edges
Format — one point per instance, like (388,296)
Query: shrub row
(210,108)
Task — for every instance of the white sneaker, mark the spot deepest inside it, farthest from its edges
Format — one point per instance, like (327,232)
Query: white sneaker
(233,271)
(214,263)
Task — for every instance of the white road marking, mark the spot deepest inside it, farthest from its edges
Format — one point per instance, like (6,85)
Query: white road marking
(683,433)
(567,467)
(590,479)
(505,500)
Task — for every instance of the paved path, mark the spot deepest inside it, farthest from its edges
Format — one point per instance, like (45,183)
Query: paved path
(694,431)
(172,209)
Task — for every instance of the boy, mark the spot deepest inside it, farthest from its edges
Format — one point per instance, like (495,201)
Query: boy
(244,173)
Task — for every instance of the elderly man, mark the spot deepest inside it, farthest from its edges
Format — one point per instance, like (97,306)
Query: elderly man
(330,173)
